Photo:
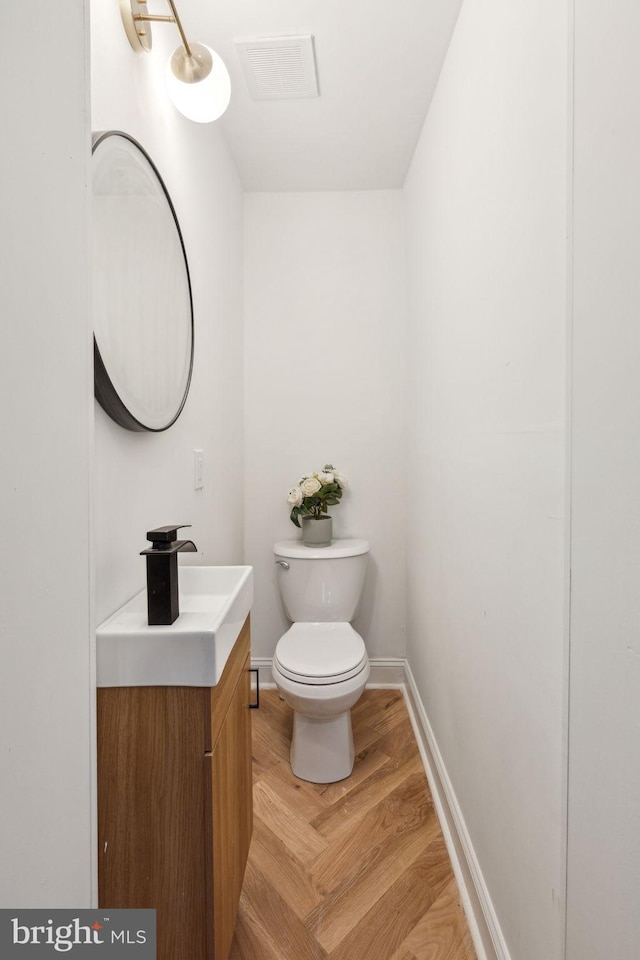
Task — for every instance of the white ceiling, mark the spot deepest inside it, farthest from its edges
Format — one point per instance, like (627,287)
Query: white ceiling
(378,64)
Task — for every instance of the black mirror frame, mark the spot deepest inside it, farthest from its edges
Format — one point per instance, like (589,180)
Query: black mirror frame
(104,390)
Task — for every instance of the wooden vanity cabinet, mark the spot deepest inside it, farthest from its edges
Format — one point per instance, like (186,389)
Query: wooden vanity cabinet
(175,805)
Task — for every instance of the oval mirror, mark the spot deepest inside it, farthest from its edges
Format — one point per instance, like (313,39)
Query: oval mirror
(142,306)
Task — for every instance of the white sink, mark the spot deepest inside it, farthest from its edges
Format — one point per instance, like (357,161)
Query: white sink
(192,652)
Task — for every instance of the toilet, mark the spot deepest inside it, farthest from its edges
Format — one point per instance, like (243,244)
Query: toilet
(320,665)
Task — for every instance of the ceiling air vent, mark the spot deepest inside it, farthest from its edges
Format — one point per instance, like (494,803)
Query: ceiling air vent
(279,68)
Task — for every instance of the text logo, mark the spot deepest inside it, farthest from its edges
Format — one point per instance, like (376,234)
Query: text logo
(39,933)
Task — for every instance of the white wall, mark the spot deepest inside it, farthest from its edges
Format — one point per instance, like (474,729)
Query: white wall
(604,759)
(146,480)
(45,394)
(325,352)
(485,201)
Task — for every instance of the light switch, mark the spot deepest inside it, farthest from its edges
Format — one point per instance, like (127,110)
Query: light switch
(198,469)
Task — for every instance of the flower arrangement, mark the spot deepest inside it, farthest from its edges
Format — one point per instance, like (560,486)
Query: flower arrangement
(315,493)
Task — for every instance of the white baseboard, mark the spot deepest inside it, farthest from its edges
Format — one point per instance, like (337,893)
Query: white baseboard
(385,672)
(484,927)
(481,917)
(263,666)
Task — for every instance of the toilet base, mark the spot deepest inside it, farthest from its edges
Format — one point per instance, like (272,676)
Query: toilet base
(322,743)
(322,748)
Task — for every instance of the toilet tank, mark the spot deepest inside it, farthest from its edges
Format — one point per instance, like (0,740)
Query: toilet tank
(321,584)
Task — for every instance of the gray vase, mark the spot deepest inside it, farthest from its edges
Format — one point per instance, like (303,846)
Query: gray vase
(317,533)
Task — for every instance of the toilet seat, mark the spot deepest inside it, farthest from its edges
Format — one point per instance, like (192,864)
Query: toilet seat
(320,653)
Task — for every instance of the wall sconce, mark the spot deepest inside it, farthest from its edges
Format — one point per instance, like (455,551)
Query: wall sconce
(197,79)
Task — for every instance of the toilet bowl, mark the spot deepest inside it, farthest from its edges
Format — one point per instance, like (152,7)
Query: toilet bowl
(320,665)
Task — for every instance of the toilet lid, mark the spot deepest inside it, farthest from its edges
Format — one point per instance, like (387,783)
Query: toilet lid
(320,652)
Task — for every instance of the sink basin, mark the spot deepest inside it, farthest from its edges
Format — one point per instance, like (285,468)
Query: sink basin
(192,652)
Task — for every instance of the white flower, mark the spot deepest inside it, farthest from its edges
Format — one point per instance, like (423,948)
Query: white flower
(295,497)
(325,477)
(309,486)
(340,479)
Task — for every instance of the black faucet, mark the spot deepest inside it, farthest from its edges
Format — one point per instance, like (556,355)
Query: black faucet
(162,573)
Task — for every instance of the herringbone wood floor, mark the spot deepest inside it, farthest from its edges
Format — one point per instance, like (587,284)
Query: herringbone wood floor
(349,870)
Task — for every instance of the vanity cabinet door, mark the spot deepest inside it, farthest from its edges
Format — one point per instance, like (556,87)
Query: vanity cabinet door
(231,812)
(152,811)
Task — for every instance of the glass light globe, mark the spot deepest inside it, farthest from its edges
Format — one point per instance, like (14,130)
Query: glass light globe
(199,85)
